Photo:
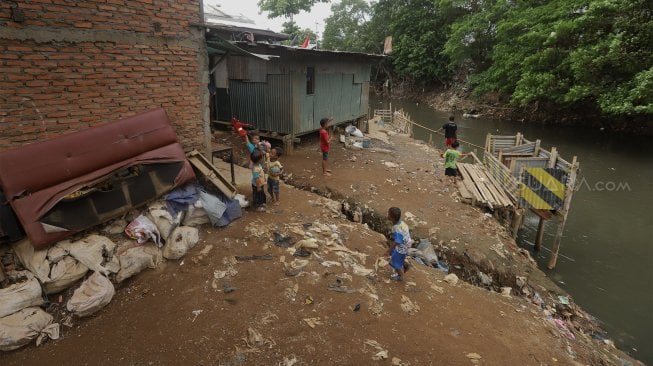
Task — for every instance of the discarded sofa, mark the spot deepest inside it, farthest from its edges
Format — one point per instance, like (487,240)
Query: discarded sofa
(73,182)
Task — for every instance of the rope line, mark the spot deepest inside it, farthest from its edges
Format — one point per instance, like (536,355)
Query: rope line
(440,133)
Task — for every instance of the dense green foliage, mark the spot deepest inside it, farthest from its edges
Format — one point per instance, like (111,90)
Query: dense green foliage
(344,29)
(592,53)
(287,8)
(560,51)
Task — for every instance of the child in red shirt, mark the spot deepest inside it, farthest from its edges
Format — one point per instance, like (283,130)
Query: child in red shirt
(325,144)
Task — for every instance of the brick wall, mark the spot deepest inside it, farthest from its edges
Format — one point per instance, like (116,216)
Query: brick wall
(74,64)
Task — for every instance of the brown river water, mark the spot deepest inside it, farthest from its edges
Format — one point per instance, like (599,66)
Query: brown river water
(606,261)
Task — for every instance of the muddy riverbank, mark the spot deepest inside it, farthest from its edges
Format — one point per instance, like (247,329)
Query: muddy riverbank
(337,306)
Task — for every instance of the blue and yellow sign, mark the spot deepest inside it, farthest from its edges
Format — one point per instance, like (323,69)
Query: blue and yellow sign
(543,188)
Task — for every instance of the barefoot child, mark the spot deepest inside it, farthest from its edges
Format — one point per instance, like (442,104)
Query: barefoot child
(258,181)
(400,242)
(275,170)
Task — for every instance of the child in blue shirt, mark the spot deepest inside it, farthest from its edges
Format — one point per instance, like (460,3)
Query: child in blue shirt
(399,244)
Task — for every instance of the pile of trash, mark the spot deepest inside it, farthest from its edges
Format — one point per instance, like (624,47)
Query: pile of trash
(88,266)
(354,138)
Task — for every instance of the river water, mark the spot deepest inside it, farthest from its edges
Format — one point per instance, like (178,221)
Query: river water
(606,261)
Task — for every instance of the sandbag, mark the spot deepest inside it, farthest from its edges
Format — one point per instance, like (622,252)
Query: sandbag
(93,251)
(20,295)
(159,215)
(180,241)
(36,261)
(19,328)
(53,267)
(94,294)
(136,259)
(63,274)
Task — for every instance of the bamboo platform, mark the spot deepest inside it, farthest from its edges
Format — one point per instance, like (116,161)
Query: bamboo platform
(479,187)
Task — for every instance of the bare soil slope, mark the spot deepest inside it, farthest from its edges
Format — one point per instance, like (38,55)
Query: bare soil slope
(334,306)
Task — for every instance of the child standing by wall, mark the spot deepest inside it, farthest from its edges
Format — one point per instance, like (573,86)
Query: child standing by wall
(451,157)
(325,144)
(275,170)
(400,242)
(258,181)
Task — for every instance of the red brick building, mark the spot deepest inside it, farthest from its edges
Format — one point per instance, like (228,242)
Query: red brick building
(69,65)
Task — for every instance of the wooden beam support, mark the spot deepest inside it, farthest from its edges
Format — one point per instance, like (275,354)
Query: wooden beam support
(539,235)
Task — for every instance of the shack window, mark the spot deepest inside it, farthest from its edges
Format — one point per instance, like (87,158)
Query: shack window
(310,80)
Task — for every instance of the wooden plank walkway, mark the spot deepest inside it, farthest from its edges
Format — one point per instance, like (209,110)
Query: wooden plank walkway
(479,186)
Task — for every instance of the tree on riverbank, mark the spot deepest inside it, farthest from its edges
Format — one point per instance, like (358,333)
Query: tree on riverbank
(562,51)
(568,54)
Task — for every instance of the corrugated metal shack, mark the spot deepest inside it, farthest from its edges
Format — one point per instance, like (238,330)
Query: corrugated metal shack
(287,90)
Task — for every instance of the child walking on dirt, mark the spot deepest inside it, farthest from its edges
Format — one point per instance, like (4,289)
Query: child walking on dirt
(258,181)
(274,170)
(451,157)
(399,244)
(325,144)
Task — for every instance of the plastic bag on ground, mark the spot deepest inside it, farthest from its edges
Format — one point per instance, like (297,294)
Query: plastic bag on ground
(244,203)
(424,251)
(352,130)
(142,229)
(136,259)
(213,206)
(19,328)
(232,212)
(20,295)
(180,241)
(94,294)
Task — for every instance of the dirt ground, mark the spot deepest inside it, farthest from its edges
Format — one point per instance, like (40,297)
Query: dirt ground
(334,306)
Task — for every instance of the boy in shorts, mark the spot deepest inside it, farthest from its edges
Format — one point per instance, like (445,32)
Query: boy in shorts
(451,157)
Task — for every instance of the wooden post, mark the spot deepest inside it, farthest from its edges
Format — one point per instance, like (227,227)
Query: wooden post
(518,139)
(487,143)
(571,183)
(517,220)
(540,235)
(3,277)
(553,158)
(536,152)
(288,144)
(431,139)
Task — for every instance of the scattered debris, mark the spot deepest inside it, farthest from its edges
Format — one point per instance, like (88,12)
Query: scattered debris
(242,258)
(381,352)
(475,358)
(313,322)
(451,279)
(408,306)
